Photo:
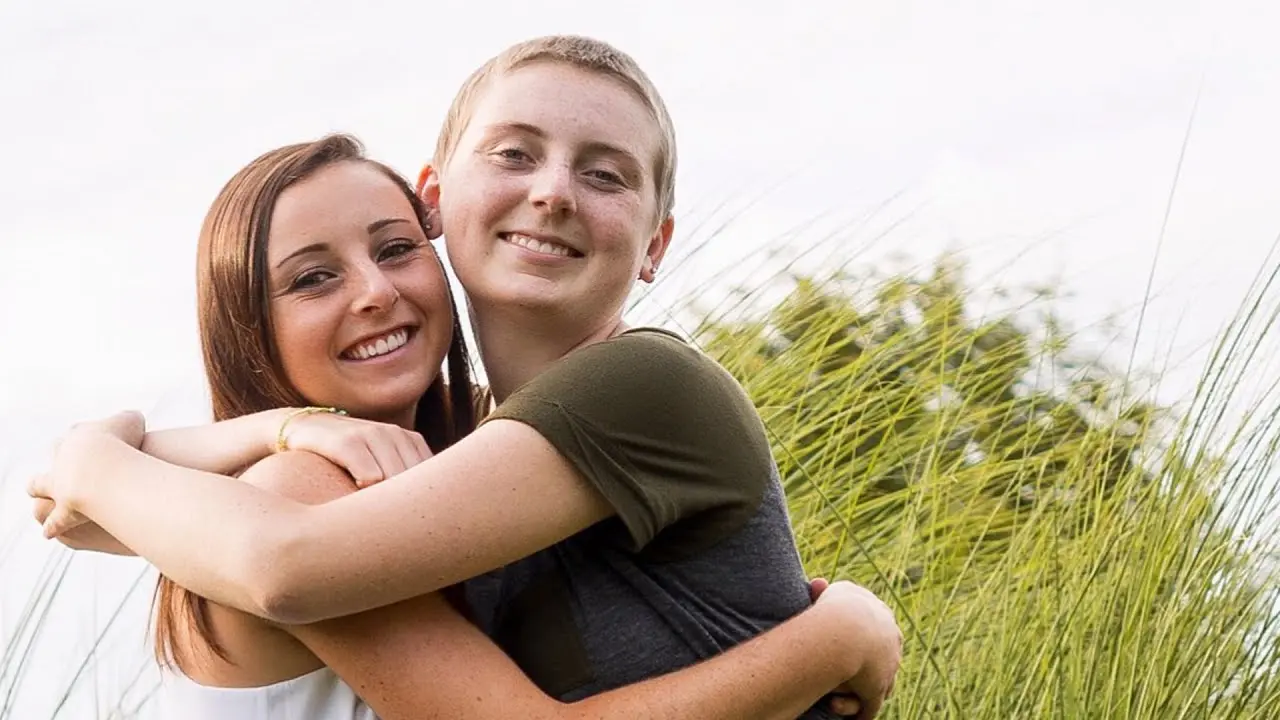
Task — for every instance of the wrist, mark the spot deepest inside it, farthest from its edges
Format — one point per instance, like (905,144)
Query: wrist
(83,447)
(268,429)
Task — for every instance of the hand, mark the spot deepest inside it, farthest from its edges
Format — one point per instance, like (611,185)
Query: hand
(73,460)
(841,703)
(870,627)
(88,536)
(369,451)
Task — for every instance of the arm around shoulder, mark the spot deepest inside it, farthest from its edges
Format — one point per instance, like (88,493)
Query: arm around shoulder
(305,478)
(501,494)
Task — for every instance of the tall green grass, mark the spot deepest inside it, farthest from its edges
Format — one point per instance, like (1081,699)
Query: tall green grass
(1057,543)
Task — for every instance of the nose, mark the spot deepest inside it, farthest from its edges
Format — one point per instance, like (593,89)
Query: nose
(552,190)
(376,292)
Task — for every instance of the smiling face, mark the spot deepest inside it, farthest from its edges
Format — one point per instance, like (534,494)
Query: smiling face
(358,302)
(549,201)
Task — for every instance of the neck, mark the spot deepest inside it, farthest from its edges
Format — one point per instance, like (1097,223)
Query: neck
(517,344)
(404,418)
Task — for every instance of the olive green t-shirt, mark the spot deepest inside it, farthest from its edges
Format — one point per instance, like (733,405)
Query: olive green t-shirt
(700,556)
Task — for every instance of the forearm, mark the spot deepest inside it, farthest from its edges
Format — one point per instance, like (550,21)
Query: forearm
(99,542)
(223,447)
(156,509)
(420,659)
(778,674)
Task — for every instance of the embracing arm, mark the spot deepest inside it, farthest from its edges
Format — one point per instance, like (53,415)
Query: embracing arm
(370,451)
(498,495)
(420,659)
(224,447)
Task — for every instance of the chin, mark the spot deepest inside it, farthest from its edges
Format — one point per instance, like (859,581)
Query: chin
(522,291)
(391,400)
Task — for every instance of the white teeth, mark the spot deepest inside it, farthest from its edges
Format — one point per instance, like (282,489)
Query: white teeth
(381,346)
(536,245)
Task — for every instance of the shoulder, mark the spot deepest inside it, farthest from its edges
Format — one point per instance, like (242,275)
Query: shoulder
(644,382)
(654,350)
(299,475)
(640,364)
(654,423)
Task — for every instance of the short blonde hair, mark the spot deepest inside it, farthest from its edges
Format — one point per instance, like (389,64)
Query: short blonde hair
(585,53)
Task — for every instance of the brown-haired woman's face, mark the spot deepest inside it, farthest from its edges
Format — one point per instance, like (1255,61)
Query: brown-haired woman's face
(358,300)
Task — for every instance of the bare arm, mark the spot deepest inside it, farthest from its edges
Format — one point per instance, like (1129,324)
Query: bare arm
(420,659)
(225,447)
(499,495)
(370,451)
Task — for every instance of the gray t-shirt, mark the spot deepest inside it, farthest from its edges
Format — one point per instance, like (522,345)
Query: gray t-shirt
(700,556)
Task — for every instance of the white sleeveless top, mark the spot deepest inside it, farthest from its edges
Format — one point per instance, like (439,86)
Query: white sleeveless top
(318,695)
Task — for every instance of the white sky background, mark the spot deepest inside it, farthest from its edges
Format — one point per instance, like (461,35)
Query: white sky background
(1043,142)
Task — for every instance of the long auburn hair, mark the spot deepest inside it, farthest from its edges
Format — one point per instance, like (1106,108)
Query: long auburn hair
(242,362)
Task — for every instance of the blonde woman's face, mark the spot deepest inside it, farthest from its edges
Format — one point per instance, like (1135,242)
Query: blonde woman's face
(548,201)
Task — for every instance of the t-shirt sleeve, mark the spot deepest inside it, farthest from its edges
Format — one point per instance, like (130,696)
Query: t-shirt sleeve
(662,431)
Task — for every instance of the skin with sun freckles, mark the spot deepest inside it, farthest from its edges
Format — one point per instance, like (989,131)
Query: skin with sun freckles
(550,213)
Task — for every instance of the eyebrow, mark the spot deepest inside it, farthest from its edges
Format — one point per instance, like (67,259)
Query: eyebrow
(372,228)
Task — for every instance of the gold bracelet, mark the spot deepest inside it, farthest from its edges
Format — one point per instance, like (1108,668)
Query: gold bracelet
(282,442)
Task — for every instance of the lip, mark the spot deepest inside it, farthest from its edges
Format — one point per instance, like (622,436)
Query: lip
(411,333)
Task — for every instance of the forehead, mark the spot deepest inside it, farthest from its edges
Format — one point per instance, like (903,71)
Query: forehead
(333,202)
(570,103)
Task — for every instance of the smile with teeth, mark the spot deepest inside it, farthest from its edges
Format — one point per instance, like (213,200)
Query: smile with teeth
(539,246)
(378,346)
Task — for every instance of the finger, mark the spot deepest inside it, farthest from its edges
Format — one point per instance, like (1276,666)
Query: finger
(58,522)
(421,448)
(845,705)
(39,486)
(410,455)
(42,509)
(385,452)
(361,464)
(66,520)
(817,586)
(130,426)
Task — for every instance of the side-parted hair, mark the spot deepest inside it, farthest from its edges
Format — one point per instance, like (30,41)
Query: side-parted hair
(241,359)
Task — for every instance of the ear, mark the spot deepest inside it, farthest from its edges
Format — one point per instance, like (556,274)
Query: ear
(657,249)
(428,188)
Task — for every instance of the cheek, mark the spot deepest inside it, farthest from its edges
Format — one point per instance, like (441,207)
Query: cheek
(478,199)
(435,300)
(423,284)
(303,335)
(623,225)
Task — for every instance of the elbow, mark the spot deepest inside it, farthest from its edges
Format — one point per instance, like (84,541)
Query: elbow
(277,603)
(273,573)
